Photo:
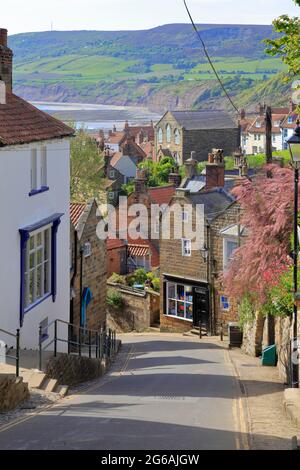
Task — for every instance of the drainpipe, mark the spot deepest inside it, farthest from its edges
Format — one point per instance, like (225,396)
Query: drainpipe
(210,279)
(73,277)
(80,284)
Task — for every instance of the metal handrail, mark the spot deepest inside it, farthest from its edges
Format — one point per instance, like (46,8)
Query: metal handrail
(17,356)
(102,343)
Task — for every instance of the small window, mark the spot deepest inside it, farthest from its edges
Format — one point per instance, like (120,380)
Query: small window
(33,171)
(224,303)
(177,136)
(229,246)
(111,195)
(168,129)
(44,167)
(290,120)
(186,247)
(112,174)
(257,124)
(157,225)
(273,137)
(87,250)
(160,135)
(44,329)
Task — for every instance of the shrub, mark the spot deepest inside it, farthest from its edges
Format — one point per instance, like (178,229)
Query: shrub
(117,279)
(114,299)
(156,284)
(138,277)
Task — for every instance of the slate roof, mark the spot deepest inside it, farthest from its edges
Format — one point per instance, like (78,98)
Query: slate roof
(215,202)
(204,119)
(22,123)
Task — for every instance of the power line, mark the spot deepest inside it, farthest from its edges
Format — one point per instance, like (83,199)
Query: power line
(209,59)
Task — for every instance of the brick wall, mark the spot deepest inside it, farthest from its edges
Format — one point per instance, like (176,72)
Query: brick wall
(117,261)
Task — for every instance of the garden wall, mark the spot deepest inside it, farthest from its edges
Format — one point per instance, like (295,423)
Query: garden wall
(140,311)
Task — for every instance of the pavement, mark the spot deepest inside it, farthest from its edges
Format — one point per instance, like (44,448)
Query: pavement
(164,392)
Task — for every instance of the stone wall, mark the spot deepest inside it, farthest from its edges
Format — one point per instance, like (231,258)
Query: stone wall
(140,311)
(253,336)
(13,392)
(73,370)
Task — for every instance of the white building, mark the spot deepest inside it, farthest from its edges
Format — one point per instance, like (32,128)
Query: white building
(254,137)
(288,126)
(34,207)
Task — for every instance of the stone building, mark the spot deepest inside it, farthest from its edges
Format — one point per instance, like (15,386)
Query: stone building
(181,132)
(191,285)
(88,268)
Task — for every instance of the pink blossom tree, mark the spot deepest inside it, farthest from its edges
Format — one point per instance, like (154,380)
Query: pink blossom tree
(259,263)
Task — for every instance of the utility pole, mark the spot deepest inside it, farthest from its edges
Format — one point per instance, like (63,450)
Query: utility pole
(268,122)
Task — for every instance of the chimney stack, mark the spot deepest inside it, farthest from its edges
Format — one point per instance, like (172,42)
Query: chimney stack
(190,166)
(6,56)
(175,178)
(140,181)
(215,170)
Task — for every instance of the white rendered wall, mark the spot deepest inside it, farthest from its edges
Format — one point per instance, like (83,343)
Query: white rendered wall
(19,210)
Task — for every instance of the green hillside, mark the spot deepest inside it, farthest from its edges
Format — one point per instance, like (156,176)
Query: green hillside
(160,67)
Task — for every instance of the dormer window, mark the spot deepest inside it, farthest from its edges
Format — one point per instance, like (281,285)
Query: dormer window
(168,129)
(257,124)
(290,120)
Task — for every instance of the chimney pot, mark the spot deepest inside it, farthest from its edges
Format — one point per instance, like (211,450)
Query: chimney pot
(3,37)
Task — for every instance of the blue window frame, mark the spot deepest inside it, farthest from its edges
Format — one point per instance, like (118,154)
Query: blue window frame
(32,270)
(224,302)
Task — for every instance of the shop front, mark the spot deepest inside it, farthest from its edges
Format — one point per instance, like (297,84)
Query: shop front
(186,301)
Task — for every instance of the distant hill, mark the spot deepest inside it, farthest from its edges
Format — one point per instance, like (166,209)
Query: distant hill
(160,68)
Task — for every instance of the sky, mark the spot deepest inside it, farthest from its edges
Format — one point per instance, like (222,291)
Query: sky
(37,15)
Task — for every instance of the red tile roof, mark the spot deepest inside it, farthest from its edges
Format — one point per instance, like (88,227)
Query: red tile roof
(113,243)
(22,123)
(76,211)
(116,137)
(262,129)
(115,158)
(161,194)
(291,125)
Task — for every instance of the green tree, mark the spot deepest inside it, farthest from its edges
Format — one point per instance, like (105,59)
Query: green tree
(287,45)
(87,168)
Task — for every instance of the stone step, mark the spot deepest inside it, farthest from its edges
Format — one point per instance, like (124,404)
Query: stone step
(34,378)
(62,390)
(49,385)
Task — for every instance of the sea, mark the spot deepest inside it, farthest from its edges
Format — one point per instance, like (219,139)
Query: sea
(98,116)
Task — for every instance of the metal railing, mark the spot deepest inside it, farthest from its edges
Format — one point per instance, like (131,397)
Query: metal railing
(17,356)
(80,341)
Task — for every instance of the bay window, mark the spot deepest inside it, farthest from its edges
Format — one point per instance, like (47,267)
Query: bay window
(179,301)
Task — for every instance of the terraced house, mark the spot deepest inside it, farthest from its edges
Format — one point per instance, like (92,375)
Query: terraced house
(34,207)
(178,133)
(191,283)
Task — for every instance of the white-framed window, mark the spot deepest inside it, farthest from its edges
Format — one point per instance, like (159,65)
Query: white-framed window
(257,124)
(179,301)
(273,138)
(112,173)
(33,170)
(290,120)
(37,276)
(229,246)
(43,166)
(177,137)
(111,195)
(160,135)
(224,302)
(186,247)
(87,249)
(169,131)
